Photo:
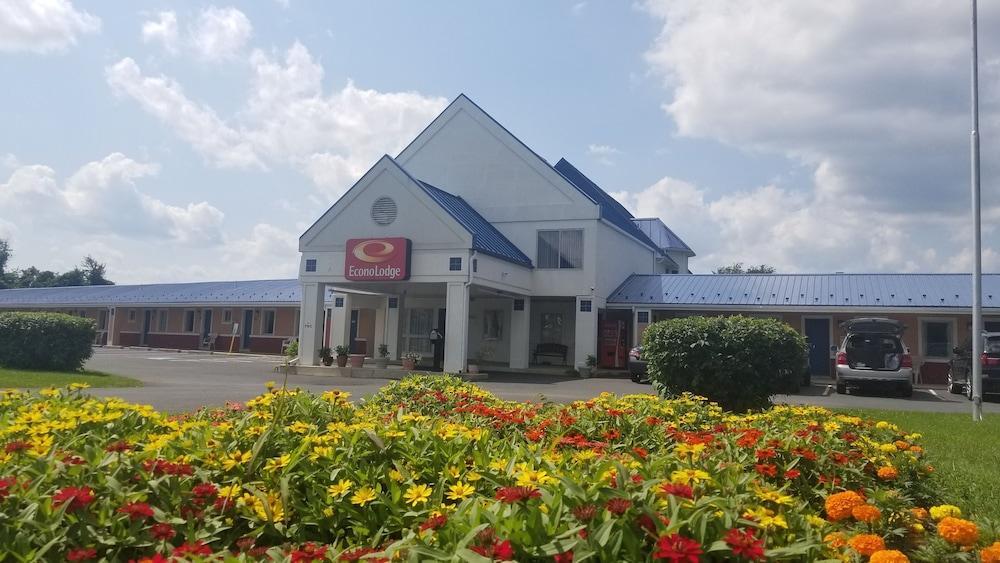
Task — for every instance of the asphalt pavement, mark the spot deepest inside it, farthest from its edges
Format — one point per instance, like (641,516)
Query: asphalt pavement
(181,381)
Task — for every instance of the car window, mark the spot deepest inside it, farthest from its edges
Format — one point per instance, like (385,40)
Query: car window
(992,345)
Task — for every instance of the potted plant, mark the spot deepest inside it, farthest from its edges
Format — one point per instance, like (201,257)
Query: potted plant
(342,352)
(410,360)
(382,361)
(587,369)
(357,360)
(325,356)
(485,355)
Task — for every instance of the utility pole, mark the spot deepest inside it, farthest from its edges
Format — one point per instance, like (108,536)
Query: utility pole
(977,251)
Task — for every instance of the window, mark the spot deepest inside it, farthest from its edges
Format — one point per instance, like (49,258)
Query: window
(455,264)
(338,302)
(418,330)
(492,324)
(102,320)
(161,320)
(552,327)
(519,304)
(475,265)
(394,302)
(189,321)
(560,249)
(586,305)
(267,325)
(937,339)
(642,316)
(131,315)
(227,316)
(310,264)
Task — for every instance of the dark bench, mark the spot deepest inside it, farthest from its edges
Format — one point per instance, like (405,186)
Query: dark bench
(550,349)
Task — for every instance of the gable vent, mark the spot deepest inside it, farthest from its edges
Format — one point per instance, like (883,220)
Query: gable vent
(384,211)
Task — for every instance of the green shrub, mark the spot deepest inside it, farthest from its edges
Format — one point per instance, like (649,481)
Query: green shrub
(293,349)
(50,341)
(739,362)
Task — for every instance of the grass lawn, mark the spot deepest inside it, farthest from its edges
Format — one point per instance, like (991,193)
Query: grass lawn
(30,378)
(965,455)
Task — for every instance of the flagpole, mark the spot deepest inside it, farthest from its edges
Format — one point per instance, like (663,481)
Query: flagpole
(977,269)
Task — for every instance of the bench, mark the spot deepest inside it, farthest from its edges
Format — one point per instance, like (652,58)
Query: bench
(551,349)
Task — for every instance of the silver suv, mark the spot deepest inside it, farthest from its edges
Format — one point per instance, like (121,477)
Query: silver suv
(873,354)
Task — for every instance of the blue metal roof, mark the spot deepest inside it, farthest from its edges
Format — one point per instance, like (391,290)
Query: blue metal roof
(253,292)
(661,235)
(611,211)
(772,291)
(485,237)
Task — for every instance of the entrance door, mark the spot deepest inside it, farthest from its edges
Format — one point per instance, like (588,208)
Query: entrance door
(354,332)
(146,318)
(246,328)
(206,324)
(818,336)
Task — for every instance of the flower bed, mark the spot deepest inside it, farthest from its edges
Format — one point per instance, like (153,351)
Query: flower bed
(435,469)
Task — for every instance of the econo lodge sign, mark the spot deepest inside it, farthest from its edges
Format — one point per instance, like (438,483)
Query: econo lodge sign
(377,259)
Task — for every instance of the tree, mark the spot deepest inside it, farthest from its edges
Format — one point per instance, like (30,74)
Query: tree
(5,252)
(738,268)
(94,272)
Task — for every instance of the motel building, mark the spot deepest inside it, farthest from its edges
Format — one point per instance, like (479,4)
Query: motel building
(520,265)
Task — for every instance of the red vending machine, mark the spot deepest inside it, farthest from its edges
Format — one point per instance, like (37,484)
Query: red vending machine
(612,347)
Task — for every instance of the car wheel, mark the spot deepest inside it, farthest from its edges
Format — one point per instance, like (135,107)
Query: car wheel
(841,388)
(954,388)
(635,378)
(906,391)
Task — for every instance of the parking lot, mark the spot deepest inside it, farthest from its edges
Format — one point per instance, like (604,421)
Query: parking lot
(181,381)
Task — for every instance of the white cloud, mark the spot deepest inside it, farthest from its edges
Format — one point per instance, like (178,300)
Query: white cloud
(603,153)
(162,30)
(288,119)
(102,198)
(874,101)
(42,26)
(220,33)
(268,252)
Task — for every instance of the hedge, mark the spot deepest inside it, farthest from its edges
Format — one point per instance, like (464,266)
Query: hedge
(739,362)
(51,341)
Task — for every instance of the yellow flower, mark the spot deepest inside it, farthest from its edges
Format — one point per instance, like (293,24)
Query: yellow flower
(340,488)
(395,475)
(276,463)
(460,491)
(775,497)
(235,458)
(945,510)
(689,476)
(417,494)
(363,496)
(533,478)
(689,450)
(300,427)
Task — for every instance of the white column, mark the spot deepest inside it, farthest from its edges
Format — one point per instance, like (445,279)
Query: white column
(340,325)
(456,340)
(379,327)
(586,331)
(392,326)
(520,330)
(311,323)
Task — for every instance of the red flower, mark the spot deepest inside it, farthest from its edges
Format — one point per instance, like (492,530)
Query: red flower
(792,474)
(677,548)
(677,490)
(137,510)
(767,469)
(563,557)
(745,544)
(618,506)
(5,485)
(165,467)
(585,512)
(767,453)
(16,446)
(162,531)
(641,453)
(357,553)
(646,522)
(308,552)
(119,447)
(198,547)
(611,435)
(81,554)
(154,558)
(205,490)
(503,551)
(534,434)
(511,495)
(434,522)
(77,497)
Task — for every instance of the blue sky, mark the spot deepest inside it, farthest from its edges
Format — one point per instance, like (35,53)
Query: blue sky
(192,140)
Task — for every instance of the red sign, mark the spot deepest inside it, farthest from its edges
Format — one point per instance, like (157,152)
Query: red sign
(377,259)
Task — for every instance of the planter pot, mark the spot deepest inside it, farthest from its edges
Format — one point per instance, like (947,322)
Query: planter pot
(584,371)
(381,363)
(473,368)
(357,360)
(341,361)
(409,365)
(328,361)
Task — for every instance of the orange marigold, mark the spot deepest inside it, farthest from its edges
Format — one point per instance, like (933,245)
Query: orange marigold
(839,505)
(919,513)
(889,556)
(901,445)
(887,473)
(836,540)
(990,554)
(958,531)
(866,513)
(866,544)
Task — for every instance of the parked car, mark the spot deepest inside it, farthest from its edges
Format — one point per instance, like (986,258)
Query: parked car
(637,366)
(960,372)
(873,353)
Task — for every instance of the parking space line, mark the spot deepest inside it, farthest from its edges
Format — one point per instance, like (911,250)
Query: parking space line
(826,392)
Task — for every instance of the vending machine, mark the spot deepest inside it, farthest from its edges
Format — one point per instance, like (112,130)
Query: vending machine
(613,345)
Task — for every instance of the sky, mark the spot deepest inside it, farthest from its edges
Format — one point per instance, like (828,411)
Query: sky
(185,141)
